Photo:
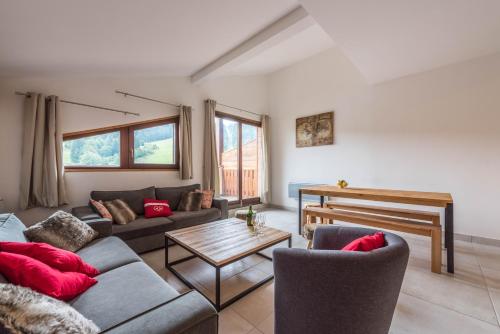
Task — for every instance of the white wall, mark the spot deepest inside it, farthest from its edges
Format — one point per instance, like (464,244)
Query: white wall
(436,131)
(247,93)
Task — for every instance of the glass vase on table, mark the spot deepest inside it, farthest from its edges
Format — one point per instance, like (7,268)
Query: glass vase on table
(260,223)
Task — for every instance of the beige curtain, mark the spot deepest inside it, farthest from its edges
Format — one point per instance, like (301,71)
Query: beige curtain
(42,173)
(265,162)
(210,161)
(185,143)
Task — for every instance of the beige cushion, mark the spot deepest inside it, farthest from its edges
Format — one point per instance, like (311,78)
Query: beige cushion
(99,206)
(206,199)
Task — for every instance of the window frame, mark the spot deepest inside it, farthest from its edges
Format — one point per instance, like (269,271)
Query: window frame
(152,124)
(240,120)
(127,146)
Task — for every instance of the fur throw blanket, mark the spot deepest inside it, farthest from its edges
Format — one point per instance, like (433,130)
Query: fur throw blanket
(24,311)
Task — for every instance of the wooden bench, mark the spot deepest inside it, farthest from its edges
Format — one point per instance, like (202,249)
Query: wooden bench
(408,221)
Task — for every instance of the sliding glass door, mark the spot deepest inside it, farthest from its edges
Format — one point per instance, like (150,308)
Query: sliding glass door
(238,142)
(229,152)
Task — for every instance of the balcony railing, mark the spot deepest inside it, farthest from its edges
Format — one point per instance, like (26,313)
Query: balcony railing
(230,183)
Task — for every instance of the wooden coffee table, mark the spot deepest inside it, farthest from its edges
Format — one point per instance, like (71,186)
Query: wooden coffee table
(219,244)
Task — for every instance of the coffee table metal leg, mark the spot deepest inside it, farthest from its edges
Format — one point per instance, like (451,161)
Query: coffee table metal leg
(218,303)
(166,252)
(217,288)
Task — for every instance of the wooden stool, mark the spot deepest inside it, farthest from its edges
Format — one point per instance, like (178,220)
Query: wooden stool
(384,218)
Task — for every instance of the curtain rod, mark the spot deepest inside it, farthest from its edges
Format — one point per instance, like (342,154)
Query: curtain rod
(248,111)
(125,94)
(89,105)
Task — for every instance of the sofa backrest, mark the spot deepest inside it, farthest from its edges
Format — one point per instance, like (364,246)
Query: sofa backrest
(173,194)
(11,228)
(134,198)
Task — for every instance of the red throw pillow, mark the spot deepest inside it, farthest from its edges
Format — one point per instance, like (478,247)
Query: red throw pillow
(25,271)
(57,258)
(156,208)
(366,243)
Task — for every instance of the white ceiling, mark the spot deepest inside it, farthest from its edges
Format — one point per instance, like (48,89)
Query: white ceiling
(387,39)
(159,37)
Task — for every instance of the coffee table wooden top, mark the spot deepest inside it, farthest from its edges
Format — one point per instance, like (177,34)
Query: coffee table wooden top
(224,241)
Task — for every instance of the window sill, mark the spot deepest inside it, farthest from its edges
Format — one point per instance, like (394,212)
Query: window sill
(84,170)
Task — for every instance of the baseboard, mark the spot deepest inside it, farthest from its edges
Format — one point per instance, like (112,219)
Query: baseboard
(478,240)
(458,236)
(282,207)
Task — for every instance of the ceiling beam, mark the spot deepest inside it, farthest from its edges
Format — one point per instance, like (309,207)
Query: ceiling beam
(283,28)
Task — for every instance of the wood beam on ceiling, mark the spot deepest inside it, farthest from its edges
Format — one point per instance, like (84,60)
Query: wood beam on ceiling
(292,23)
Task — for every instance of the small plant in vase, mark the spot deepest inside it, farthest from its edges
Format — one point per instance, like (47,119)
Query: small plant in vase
(342,184)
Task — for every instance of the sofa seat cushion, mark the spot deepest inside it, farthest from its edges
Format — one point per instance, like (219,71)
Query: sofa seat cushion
(142,227)
(11,228)
(190,218)
(189,313)
(123,293)
(108,253)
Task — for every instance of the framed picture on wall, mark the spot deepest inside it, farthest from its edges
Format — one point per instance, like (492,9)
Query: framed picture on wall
(314,130)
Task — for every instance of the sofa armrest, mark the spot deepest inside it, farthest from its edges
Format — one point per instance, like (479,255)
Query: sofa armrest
(189,313)
(223,205)
(102,225)
(86,214)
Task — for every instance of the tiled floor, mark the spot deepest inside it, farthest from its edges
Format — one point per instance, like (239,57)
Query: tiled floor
(466,302)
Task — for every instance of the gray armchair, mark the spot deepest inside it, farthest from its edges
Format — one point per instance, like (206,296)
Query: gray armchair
(324,290)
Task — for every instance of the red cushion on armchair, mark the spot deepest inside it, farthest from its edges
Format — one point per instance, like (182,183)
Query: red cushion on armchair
(366,243)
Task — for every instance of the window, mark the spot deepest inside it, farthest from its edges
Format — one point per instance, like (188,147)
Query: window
(144,145)
(153,145)
(238,143)
(101,150)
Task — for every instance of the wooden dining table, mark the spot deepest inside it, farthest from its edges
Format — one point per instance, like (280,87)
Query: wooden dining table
(433,199)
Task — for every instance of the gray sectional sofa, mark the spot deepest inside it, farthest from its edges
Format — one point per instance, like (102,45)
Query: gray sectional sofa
(144,234)
(129,296)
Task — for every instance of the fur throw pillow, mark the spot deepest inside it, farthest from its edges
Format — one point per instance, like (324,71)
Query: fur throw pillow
(23,310)
(61,230)
(121,212)
(190,201)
